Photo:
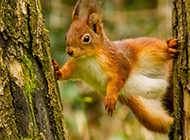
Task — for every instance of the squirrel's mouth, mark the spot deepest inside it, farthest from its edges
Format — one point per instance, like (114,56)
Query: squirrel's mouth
(70,53)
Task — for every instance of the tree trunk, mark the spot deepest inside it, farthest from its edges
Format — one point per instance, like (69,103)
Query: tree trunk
(181,30)
(30,105)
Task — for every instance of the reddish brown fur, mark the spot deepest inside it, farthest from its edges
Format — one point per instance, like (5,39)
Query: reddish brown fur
(117,61)
(155,123)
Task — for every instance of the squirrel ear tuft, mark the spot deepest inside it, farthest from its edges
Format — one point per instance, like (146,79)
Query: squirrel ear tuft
(94,15)
(75,14)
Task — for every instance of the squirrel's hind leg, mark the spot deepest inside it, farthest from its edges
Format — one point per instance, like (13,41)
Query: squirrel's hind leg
(149,113)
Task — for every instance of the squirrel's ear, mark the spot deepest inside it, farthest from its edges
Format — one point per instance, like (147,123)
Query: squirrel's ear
(75,14)
(94,16)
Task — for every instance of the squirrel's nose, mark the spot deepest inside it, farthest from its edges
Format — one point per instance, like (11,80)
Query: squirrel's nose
(70,53)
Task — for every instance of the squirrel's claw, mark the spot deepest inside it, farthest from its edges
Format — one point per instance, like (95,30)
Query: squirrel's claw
(110,104)
(172,47)
(56,67)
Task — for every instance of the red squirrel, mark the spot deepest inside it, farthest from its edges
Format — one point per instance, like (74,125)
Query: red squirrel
(136,72)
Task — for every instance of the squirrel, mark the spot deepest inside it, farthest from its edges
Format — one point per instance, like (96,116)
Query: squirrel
(136,72)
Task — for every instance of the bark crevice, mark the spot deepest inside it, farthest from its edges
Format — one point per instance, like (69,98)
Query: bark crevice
(30,91)
(181,71)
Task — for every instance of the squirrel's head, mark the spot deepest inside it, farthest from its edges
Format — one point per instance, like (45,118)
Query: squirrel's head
(84,34)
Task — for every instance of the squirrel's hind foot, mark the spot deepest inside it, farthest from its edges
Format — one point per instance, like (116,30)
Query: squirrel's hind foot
(172,47)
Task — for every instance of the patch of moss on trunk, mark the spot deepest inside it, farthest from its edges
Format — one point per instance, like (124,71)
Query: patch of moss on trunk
(27,43)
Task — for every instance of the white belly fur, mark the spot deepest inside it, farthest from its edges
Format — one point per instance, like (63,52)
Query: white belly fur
(90,72)
(137,84)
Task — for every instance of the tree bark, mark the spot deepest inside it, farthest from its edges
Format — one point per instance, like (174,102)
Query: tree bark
(180,130)
(30,105)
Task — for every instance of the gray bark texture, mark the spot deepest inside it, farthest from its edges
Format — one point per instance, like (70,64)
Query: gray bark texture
(30,105)
(180,129)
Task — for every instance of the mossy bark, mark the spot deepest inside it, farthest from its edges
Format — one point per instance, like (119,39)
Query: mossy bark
(180,130)
(30,105)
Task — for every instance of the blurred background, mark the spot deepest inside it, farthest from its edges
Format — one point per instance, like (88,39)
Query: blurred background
(84,110)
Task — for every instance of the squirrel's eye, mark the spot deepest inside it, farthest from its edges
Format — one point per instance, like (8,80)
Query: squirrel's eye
(86,38)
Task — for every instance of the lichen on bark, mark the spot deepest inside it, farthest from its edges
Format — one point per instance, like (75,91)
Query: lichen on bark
(181,30)
(28,87)
(7,118)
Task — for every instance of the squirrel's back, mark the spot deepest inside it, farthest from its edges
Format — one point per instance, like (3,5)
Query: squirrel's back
(134,71)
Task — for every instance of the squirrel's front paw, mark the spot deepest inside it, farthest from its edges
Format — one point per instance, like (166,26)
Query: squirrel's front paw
(56,67)
(110,104)
(172,47)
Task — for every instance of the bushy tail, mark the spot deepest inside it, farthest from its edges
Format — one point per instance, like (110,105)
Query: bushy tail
(149,112)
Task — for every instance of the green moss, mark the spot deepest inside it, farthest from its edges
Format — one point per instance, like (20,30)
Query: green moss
(29,74)
(29,87)
(170,133)
(41,50)
(28,32)
(34,138)
(175,129)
